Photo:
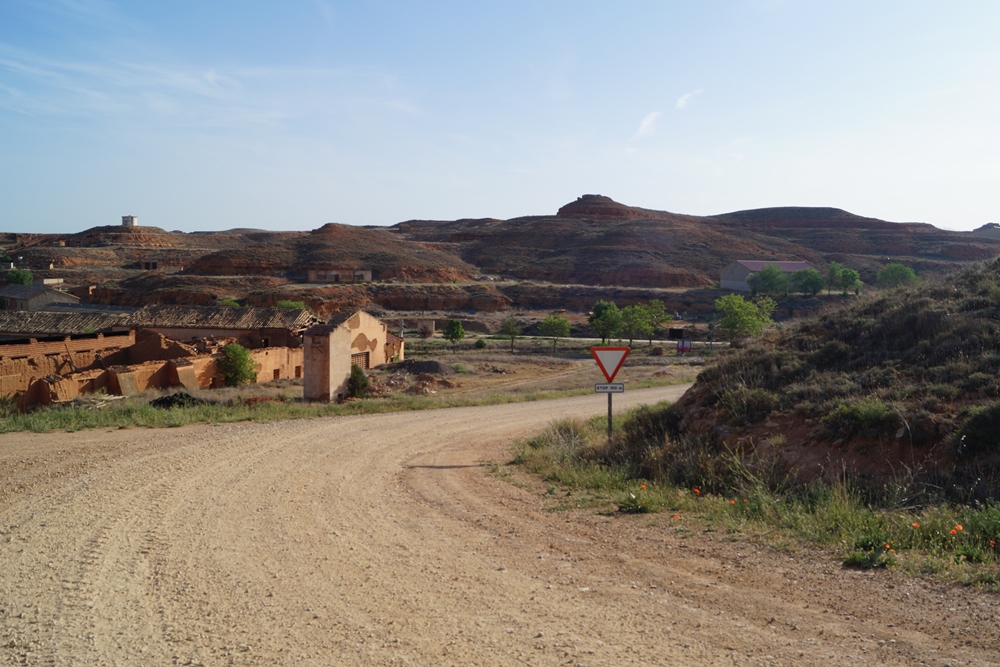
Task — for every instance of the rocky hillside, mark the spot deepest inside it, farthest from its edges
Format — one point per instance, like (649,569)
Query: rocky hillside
(593,241)
(904,382)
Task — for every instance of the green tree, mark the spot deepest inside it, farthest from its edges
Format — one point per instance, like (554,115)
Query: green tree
(357,383)
(635,323)
(292,305)
(658,317)
(770,279)
(237,366)
(605,319)
(807,281)
(18,277)
(554,327)
(850,280)
(833,276)
(742,318)
(895,275)
(510,329)
(454,332)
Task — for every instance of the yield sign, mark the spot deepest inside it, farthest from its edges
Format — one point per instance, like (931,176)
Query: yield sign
(609,359)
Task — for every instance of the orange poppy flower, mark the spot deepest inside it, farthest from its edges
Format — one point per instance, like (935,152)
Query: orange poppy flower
(958,526)
(993,543)
(643,486)
(732,502)
(677,516)
(916,525)
(954,532)
(697,491)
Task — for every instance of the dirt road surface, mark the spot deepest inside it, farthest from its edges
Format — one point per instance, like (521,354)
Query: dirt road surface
(381,540)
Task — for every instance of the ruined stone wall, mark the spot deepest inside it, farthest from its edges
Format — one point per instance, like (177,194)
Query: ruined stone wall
(278,363)
(21,364)
(253,338)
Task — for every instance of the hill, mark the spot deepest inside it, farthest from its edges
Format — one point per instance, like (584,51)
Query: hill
(592,241)
(595,240)
(901,383)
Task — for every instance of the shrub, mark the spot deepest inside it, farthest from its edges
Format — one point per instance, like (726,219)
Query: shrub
(747,405)
(236,365)
(480,344)
(357,384)
(18,277)
(293,305)
(229,303)
(869,416)
(978,435)
(895,275)
(742,318)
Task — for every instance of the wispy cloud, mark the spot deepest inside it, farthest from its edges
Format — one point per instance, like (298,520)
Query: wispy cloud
(686,98)
(210,96)
(647,126)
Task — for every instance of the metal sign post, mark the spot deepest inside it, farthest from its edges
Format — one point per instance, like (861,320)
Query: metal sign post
(609,360)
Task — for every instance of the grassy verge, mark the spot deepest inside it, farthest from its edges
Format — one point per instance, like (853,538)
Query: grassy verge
(137,412)
(644,472)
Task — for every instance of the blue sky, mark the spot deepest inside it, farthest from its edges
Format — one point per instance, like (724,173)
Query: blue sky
(200,116)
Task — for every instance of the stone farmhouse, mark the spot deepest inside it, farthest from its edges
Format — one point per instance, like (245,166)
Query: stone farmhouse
(347,339)
(734,276)
(32,297)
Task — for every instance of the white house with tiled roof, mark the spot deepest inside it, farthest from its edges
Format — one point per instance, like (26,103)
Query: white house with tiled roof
(735,275)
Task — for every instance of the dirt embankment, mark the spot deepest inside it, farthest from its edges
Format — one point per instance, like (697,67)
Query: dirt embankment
(380,540)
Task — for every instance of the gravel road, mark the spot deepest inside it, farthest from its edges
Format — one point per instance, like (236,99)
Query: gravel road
(380,540)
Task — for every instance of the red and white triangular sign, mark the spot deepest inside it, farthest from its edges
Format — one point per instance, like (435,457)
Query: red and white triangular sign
(609,359)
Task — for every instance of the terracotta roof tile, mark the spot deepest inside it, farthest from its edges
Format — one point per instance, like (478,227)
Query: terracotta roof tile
(199,317)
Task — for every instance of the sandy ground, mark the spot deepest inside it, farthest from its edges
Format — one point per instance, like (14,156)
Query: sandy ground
(382,540)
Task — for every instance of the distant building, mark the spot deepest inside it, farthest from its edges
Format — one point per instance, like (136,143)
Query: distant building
(130,221)
(735,275)
(336,276)
(32,297)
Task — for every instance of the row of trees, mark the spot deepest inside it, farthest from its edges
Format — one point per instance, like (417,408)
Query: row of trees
(772,280)
(607,320)
(638,321)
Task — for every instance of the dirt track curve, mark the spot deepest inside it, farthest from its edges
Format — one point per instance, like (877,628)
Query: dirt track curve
(379,540)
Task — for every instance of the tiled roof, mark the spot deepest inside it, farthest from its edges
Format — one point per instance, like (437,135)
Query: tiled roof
(199,317)
(43,322)
(23,291)
(757,265)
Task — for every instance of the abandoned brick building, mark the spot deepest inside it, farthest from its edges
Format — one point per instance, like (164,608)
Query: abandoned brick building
(48,357)
(348,338)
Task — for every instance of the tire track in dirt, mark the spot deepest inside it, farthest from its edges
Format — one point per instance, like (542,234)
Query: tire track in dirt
(379,540)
